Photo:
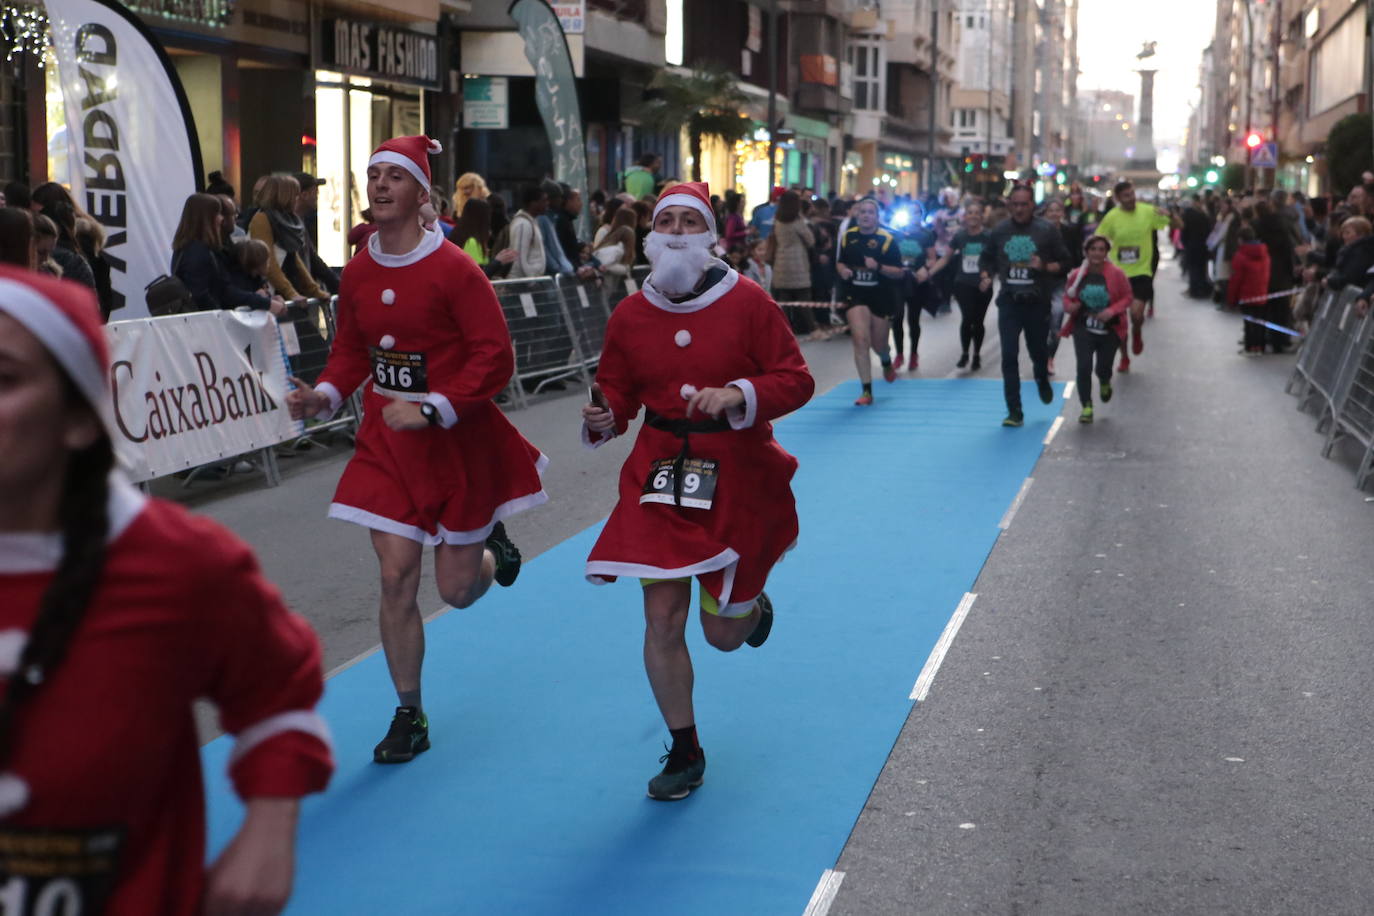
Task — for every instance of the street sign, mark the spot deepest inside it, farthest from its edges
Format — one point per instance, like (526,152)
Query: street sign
(1265,156)
(485,105)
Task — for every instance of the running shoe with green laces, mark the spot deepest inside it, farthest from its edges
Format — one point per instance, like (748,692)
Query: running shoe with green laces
(1087,415)
(765,624)
(681,774)
(507,555)
(1106,390)
(408,736)
(1014,418)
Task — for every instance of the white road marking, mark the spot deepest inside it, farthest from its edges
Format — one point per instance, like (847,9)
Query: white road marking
(1049,436)
(1005,523)
(1068,390)
(937,655)
(967,826)
(824,894)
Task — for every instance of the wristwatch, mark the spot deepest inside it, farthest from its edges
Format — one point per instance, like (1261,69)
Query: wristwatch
(430,413)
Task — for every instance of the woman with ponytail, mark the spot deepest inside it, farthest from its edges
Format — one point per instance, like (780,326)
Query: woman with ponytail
(116,613)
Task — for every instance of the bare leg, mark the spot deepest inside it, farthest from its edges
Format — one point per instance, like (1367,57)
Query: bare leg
(861,325)
(879,330)
(728,633)
(666,659)
(463,572)
(402,629)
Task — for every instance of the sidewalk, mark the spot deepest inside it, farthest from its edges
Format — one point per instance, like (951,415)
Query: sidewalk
(1159,700)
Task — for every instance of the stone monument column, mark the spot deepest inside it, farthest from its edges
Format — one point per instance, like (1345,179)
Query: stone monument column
(1144,158)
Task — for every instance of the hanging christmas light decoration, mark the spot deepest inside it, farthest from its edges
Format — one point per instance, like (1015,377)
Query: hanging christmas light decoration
(25,29)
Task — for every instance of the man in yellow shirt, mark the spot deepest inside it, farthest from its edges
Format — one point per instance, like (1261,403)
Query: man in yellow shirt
(1131,227)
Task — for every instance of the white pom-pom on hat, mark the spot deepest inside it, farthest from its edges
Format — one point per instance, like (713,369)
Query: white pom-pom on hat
(435,147)
(387,342)
(682,338)
(14,794)
(388,297)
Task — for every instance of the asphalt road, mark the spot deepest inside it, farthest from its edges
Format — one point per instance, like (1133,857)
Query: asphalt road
(1158,701)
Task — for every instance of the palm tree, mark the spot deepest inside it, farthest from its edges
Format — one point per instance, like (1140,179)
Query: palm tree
(706,101)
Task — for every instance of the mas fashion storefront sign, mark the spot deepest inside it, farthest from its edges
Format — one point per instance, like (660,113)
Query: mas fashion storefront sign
(196,388)
(381,51)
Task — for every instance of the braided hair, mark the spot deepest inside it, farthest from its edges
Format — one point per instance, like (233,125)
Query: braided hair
(84,518)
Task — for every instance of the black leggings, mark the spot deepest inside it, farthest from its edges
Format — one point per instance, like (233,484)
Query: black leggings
(973,306)
(908,313)
(1090,347)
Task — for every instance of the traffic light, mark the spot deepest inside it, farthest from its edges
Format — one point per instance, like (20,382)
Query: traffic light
(1253,140)
(968,164)
(1212,176)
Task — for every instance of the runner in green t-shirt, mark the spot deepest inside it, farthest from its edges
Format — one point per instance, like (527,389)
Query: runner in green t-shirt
(1130,227)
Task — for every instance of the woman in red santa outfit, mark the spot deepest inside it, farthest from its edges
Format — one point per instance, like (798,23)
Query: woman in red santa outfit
(116,613)
(706,491)
(437,463)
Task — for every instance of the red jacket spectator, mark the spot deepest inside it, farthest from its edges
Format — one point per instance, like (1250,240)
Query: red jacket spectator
(1249,274)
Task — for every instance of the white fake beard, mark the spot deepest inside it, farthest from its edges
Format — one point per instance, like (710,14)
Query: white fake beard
(678,261)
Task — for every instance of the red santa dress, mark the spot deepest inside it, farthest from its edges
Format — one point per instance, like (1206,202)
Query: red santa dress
(426,326)
(657,353)
(102,800)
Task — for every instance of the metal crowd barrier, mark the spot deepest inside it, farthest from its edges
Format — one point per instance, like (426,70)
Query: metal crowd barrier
(1336,367)
(308,330)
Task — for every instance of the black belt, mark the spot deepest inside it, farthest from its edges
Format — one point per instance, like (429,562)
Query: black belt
(683,428)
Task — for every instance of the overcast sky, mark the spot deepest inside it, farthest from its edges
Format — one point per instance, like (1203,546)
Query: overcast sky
(1110,36)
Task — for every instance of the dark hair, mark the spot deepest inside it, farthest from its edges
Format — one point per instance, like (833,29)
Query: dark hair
(474,223)
(1018,188)
(500,217)
(198,222)
(1247,234)
(613,206)
(230,211)
(83,514)
(1120,186)
(16,237)
(648,159)
(789,207)
(733,201)
(531,194)
(17,195)
(49,193)
(215,184)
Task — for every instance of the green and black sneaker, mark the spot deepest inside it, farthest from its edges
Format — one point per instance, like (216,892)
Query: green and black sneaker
(1014,418)
(765,624)
(1087,415)
(1106,392)
(507,556)
(408,736)
(680,776)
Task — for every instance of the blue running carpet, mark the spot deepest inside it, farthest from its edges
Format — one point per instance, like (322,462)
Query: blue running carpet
(545,733)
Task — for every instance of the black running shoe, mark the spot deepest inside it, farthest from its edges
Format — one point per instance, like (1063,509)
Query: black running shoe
(1046,390)
(963,361)
(680,776)
(977,363)
(765,624)
(1014,418)
(507,556)
(408,736)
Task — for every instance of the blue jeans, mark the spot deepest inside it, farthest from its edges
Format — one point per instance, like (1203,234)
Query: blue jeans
(1031,318)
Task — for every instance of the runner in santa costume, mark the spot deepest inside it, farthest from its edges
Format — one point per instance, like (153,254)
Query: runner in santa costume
(706,491)
(116,613)
(437,463)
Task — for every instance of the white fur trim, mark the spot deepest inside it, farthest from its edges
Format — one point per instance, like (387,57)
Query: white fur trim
(448,417)
(659,300)
(687,200)
(745,416)
(59,336)
(14,794)
(37,552)
(600,440)
(596,569)
(388,297)
(432,241)
(376,522)
(435,147)
(295,720)
(738,609)
(335,396)
(387,156)
(683,338)
(12,643)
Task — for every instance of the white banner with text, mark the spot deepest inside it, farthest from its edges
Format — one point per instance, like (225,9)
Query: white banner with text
(196,388)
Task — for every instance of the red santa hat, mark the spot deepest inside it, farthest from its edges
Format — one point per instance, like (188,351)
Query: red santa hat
(694,194)
(65,318)
(411,154)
